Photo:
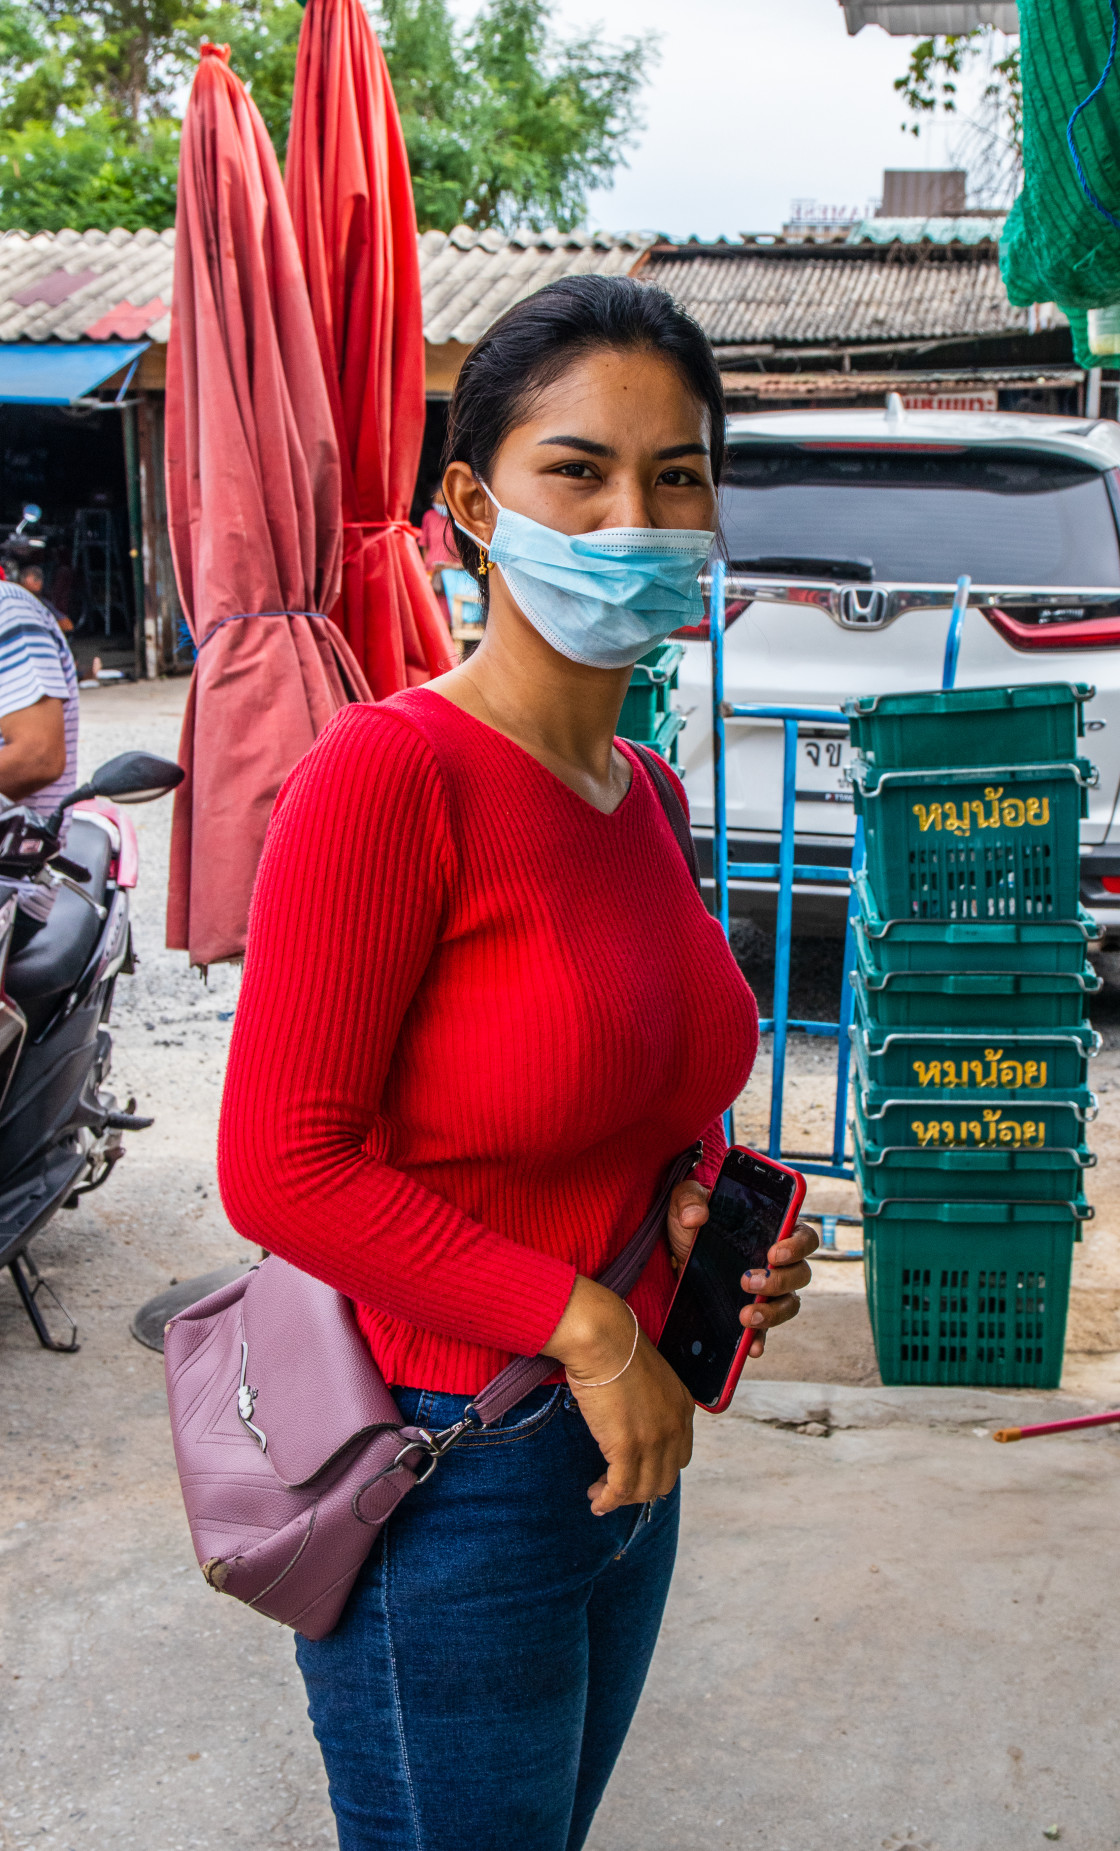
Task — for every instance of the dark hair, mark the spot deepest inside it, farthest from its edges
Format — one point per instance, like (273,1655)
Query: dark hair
(536,340)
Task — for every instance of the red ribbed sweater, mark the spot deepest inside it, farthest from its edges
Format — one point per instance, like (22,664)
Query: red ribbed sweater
(478,1019)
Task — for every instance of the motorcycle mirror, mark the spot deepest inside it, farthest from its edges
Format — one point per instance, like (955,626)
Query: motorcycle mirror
(133,777)
(32,511)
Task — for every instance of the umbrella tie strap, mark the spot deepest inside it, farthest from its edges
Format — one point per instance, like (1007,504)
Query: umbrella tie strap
(244,616)
(384,527)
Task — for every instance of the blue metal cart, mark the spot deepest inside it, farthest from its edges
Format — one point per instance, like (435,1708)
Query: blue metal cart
(785,871)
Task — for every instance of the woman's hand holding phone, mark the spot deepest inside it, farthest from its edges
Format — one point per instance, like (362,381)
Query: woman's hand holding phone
(787,1259)
(642,1420)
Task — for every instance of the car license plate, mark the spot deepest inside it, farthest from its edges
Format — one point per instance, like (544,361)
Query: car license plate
(821,758)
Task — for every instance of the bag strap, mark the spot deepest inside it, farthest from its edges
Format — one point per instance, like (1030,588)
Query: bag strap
(676,816)
(519,1378)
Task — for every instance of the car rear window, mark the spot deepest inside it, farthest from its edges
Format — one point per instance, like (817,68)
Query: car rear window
(1003,516)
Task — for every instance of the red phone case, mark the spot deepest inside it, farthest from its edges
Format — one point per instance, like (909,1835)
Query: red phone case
(731,1381)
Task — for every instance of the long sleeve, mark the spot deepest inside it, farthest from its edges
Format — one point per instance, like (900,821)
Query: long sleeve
(350,901)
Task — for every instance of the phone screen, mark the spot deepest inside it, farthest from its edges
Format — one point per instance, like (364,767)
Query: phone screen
(745,1213)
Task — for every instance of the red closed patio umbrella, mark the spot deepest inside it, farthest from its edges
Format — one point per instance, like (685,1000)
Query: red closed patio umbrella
(351,197)
(254,510)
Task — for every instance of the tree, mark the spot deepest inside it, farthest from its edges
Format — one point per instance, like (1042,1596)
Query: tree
(991,142)
(506,121)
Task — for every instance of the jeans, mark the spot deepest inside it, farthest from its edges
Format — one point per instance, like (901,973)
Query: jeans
(479,1686)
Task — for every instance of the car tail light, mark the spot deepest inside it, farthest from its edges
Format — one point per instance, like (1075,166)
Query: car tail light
(700,632)
(1111,883)
(1058,626)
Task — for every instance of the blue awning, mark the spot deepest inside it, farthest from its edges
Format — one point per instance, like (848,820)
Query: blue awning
(51,373)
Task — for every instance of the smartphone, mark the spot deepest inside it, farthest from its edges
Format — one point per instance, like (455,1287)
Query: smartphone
(755,1202)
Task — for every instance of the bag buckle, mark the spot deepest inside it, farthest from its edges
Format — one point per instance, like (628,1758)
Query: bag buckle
(433,1445)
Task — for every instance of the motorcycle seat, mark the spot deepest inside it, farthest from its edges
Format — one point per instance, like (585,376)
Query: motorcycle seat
(41,973)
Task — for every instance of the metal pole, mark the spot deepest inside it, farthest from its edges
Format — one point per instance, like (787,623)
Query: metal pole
(953,637)
(719,757)
(844,1051)
(1093,392)
(135,534)
(719,773)
(784,935)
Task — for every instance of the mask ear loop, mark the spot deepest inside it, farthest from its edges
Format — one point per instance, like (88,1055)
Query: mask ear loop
(484,565)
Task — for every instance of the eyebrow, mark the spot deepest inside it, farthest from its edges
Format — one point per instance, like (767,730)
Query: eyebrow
(602,449)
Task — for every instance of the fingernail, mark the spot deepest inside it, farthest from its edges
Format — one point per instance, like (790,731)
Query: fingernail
(757,1318)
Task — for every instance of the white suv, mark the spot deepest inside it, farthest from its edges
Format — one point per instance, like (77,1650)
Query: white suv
(845,534)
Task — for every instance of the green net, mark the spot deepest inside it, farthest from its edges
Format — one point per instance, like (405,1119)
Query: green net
(1057,246)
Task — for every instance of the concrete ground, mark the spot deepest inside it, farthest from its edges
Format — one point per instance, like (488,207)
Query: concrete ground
(883,1633)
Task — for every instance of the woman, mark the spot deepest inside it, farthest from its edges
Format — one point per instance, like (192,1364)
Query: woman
(483,1009)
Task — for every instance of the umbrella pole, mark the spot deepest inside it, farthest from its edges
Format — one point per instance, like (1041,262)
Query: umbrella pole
(1057,1426)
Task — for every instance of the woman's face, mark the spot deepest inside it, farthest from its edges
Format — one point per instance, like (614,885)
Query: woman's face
(617,441)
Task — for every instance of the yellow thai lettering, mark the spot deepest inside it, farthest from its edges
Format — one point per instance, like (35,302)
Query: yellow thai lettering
(993,795)
(928,818)
(1014,812)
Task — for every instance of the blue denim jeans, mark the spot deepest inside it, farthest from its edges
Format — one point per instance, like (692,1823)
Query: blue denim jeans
(479,1686)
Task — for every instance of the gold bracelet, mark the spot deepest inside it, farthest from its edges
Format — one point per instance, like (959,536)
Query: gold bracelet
(626,1364)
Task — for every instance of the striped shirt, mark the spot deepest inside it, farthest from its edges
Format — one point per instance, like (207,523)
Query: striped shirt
(35,660)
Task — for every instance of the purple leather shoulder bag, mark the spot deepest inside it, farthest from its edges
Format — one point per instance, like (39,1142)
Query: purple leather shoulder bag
(292,1453)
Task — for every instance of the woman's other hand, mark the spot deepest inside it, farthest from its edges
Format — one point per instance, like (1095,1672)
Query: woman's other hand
(777,1289)
(642,1420)
(787,1261)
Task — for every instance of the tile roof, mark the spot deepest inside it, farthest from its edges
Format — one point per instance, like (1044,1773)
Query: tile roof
(85,285)
(469,277)
(96,285)
(852,295)
(928,231)
(92,285)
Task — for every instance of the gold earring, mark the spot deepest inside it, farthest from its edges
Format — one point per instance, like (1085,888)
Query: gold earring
(483,566)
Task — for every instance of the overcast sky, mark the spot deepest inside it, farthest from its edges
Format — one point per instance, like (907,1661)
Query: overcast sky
(753,103)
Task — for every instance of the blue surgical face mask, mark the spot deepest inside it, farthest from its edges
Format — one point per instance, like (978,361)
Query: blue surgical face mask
(601,598)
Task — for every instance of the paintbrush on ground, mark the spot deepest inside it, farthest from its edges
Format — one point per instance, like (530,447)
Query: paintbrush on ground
(1057,1426)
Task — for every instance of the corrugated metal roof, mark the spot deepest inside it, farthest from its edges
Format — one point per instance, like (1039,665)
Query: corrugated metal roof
(789,300)
(85,285)
(469,278)
(927,231)
(922,20)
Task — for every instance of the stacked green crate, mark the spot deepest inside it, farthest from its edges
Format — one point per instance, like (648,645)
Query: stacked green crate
(646,716)
(970,1032)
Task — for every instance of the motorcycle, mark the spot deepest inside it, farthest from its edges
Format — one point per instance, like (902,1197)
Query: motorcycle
(22,548)
(61,1132)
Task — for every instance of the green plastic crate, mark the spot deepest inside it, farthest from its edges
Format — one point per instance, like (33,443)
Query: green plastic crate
(940,1063)
(974,844)
(959,1302)
(1003,999)
(973,1121)
(907,1174)
(970,726)
(647,698)
(663,739)
(967,945)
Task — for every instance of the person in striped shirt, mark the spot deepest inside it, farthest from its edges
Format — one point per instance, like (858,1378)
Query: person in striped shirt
(38,704)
